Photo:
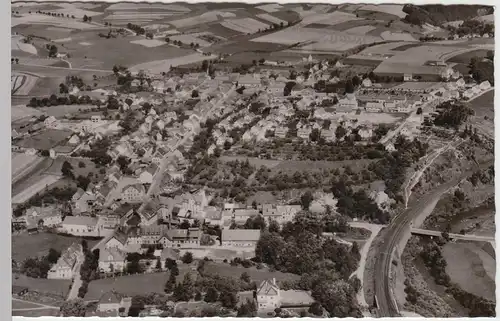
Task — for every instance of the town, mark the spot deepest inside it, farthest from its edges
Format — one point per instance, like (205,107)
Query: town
(229,183)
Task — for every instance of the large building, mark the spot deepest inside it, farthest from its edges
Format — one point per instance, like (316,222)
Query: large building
(64,268)
(240,238)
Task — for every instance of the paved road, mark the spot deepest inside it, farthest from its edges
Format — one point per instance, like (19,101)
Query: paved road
(465,237)
(394,234)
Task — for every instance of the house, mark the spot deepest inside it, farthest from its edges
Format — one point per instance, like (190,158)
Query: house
(116,240)
(112,260)
(112,302)
(159,155)
(63,269)
(240,238)
(346,105)
(80,226)
(146,177)
(51,122)
(74,140)
(366,82)
(243,214)
(45,216)
(304,133)
(85,202)
(268,296)
(485,85)
(133,193)
(280,213)
(281,132)
(374,106)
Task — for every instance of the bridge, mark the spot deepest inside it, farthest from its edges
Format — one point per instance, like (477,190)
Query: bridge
(465,237)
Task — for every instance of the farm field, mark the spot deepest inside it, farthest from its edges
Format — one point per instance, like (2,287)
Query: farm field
(471,267)
(225,269)
(331,19)
(322,40)
(17,44)
(206,17)
(361,30)
(23,305)
(46,139)
(25,245)
(55,287)
(392,9)
(36,313)
(39,19)
(90,167)
(149,42)
(244,25)
(192,38)
(270,18)
(465,58)
(271,7)
(147,6)
(21,162)
(22,84)
(36,185)
(133,284)
(164,65)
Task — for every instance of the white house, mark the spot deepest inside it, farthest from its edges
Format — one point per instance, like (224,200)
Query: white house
(51,122)
(80,226)
(240,238)
(133,193)
(268,296)
(146,177)
(366,82)
(112,259)
(63,269)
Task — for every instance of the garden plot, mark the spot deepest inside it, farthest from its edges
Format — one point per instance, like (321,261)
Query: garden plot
(270,18)
(206,17)
(149,42)
(394,9)
(152,6)
(396,36)
(244,25)
(270,7)
(361,30)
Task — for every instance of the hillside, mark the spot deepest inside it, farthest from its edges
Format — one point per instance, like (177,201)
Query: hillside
(439,14)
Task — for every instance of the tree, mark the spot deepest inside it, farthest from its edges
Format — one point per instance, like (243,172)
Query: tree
(316,309)
(245,277)
(170,284)
(349,87)
(211,295)
(67,170)
(419,111)
(274,226)
(195,94)
(17,60)
(247,309)
(158,264)
(53,255)
(81,164)
(85,18)
(187,258)
(167,40)
(306,200)
(73,308)
(228,299)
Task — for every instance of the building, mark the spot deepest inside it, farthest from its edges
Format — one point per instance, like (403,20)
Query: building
(281,132)
(146,177)
(112,302)
(280,213)
(133,193)
(63,269)
(241,215)
(240,238)
(304,133)
(268,296)
(112,260)
(81,226)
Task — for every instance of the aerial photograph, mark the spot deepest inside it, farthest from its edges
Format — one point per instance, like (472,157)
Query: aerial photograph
(272,160)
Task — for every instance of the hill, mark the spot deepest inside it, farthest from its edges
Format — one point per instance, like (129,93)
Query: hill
(439,14)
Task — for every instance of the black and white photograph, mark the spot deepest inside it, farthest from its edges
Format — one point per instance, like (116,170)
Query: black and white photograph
(244,159)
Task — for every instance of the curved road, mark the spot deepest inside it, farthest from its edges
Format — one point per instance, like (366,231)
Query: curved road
(394,234)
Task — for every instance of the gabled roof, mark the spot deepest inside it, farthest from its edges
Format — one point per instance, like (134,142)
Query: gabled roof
(110,297)
(80,220)
(111,255)
(138,187)
(240,235)
(268,287)
(79,193)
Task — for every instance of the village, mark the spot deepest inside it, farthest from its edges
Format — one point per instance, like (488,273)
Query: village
(185,189)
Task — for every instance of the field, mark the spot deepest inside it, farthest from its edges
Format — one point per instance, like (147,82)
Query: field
(392,9)
(147,6)
(25,245)
(23,305)
(360,30)
(46,139)
(133,284)
(22,84)
(56,287)
(206,17)
(244,25)
(483,107)
(331,19)
(465,58)
(270,18)
(471,267)
(149,42)
(136,17)
(164,65)
(224,269)
(319,39)
(36,185)
(17,44)
(39,19)
(192,38)
(36,313)
(56,166)
(271,7)
(21,162)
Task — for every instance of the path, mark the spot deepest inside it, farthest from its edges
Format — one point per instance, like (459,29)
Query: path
(465,237)
(65,68)
(374,229)
(77,281)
